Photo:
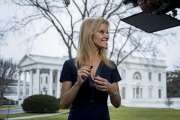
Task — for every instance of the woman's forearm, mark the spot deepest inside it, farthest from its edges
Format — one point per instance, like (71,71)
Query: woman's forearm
(115,100)
(115,95)
(68,97)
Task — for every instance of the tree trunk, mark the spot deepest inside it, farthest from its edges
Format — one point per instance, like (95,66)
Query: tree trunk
(69,52)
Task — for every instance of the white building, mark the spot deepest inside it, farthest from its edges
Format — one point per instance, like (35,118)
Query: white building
(143,80)
(39,75)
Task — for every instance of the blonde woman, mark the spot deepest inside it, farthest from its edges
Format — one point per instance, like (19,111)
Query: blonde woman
(88,79)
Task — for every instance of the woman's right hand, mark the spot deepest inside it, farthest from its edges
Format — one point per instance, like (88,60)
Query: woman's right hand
(83,73)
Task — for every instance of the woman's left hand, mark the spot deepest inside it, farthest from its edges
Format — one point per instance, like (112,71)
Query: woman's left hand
(104,85)
(101,84)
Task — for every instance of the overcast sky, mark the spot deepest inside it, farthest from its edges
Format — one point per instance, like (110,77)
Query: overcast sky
(17,45)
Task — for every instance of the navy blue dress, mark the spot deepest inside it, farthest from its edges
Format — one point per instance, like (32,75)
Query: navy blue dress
(90,103)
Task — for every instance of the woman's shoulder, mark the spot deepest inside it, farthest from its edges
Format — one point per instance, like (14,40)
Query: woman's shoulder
(113,64)
(70,62)
(110,64)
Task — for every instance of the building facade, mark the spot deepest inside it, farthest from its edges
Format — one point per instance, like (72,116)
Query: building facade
(143,81)
(38,75)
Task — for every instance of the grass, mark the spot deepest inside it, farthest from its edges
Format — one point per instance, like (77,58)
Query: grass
(56,117)
(5,107)
(126,113)
(30,114)
(15,115)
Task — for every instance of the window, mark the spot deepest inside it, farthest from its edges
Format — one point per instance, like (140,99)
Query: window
(159,93)
(46,80)
(54,76)
(137,92)
(41,80)
(150,76)
(46,92)
(141,93)
(159,77)
(54,92)
(137,76)
(123,92)
(123,73)
(150,92)
(21,92)
(134,92)
(27,91)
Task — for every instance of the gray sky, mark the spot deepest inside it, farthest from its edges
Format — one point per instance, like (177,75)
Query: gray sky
(17,44)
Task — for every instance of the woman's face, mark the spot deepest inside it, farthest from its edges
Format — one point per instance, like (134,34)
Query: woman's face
(101,37)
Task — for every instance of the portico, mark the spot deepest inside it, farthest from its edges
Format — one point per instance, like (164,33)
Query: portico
(38,75)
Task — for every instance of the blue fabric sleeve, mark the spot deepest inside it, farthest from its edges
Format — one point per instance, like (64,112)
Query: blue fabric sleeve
(115,76)
(68,72)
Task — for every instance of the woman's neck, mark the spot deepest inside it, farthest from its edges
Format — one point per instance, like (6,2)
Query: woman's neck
(94,58)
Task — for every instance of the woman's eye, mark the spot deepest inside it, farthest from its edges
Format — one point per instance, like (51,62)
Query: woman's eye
(103,32)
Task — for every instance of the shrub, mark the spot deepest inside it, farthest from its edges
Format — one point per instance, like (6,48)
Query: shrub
(40,104)
(6,101)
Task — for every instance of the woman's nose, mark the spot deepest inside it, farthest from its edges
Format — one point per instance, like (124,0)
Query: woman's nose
(107,35)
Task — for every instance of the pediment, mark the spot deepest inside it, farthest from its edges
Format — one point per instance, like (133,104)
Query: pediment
(26,60)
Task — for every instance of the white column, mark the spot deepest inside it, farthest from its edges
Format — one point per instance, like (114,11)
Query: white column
(18,86)
(30,83)
(58,84)
(36,84)
(164,93)
(50,82)
(24,84)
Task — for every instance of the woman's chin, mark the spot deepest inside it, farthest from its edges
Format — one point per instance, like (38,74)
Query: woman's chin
(105,47)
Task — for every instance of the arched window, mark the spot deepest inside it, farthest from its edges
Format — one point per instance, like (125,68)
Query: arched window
(137,76)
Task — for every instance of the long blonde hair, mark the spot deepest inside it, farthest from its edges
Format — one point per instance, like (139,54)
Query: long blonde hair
(88,28)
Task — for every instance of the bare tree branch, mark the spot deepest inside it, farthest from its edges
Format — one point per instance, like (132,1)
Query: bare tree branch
(71,36)
(114,36)
(120,50)
(78,8)
(85,11)
(114,10)
(35,36)
(129,53)
(7,70)
(67,27)
(105,8)
(94,7)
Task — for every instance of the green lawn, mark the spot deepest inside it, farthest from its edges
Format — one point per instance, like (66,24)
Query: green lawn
(144,114)
(15,115)
(125,113)
(5,107)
